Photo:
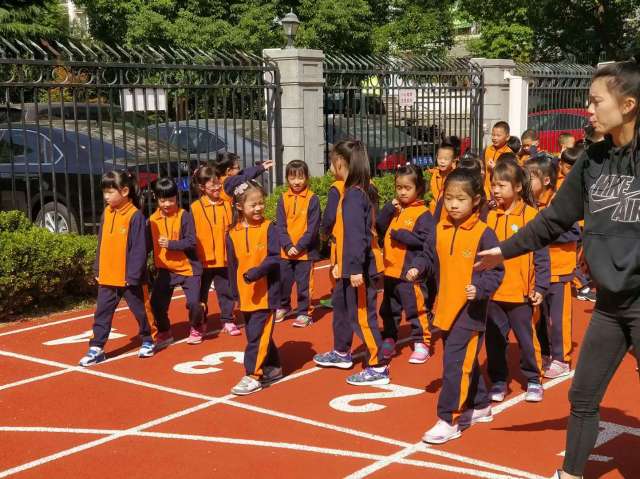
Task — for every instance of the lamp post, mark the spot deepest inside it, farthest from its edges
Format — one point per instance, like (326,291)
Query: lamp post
(290,24)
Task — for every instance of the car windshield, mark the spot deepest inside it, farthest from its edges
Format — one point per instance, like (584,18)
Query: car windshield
(372,133)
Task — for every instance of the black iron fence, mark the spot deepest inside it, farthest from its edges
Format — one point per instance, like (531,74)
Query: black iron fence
(70,112)
(401,106)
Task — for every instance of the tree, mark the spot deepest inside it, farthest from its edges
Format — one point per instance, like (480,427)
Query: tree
(25,19)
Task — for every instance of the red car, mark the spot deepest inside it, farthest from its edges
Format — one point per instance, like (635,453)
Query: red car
(551,123)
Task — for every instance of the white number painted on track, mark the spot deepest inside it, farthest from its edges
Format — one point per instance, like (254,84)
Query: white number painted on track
(208,364)
(344,403)
(81,338)
(608,432)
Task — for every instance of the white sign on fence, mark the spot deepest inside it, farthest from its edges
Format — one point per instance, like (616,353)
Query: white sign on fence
(133,99)
(407,98)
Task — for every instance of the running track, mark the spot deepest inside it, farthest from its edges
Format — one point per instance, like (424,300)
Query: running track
(172,415)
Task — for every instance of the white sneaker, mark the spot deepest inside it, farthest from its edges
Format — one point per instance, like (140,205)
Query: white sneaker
(498,391)
(472,416)
(441,433)
(557,369)
(247,385)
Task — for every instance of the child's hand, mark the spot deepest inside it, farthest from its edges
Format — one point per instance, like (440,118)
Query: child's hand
(334,272)
(356,280)
(471,292)
(163,242)
(536,298)
(412,274)
(293,251)
(268,164)
(491,164)
(396,204)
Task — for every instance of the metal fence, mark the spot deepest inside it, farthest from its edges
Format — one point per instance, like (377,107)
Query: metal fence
(401,106)
(557,100)
(70,112)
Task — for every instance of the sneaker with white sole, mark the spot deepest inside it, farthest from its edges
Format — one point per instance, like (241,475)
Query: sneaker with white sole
(441,433)
(247,385)
(498,391)
(271,374)
(95,355)
(163,340)
(281,314)
(195,336)
(472,416)
(302,321)
(231,329)
(146,350)
(369,377)
(586,294)
(388,348)
(535,392)
(557,369)
(333,359)
(420,354)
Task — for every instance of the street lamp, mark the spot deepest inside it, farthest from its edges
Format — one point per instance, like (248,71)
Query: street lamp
(290,24)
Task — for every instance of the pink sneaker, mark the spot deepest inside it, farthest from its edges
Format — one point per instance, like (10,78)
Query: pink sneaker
(163,340)
(557,369)
(231,329)
(420,354)
(281,314)
(195,336)
(388,348)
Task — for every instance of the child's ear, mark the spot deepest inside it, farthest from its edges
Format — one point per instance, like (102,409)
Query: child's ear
(476,200)
(546,181)
(124,191)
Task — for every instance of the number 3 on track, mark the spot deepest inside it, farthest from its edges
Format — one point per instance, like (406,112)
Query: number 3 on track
(208,364)
(344,403)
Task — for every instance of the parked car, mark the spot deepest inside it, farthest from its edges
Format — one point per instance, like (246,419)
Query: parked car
(551,123)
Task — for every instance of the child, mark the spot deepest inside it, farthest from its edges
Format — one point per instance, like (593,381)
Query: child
(526,279)
(227,166)
(498,146)
(461,307)
(568,158)
(253,253)
(298,214)
(406,225)
(566,140)
(446,159)
(172,232)
(529,148)
(213,217)
(555,327)
(121,264)
(357,264)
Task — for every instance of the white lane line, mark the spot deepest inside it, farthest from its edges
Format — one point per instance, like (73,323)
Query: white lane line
(520,397)
(382,463)
(34,379)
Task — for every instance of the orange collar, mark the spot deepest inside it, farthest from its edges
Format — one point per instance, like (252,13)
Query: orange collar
(210,202)
(158,214)
(241,226)
(124,209)
(415,203)
(546,198)
(303,193)
(468,224)
(516,211)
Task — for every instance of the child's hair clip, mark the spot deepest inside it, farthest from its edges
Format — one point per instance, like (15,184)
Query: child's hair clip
(241,188)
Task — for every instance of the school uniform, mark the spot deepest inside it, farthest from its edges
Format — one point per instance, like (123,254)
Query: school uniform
(510,307)
(298,223)
(461,321)
(491,153)
(121,269)
(253,254)
(406,233)
(176,265)
(212,221)
(436,186)
(356,252)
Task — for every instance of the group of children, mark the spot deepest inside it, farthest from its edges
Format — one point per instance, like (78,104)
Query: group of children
(420,254)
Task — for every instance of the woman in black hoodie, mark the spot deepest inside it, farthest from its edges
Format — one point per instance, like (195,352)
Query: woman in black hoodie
(603,188)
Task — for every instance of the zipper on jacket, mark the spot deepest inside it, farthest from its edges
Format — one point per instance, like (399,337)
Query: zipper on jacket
(166,227)
(113,221)
(453,240)
(295,200)
(246,238)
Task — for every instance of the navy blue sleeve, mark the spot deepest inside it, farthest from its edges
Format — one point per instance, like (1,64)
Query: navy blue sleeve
(383,219)
(415,239)
(96,263)
(542,266)
(187,239)
(355,207)
(313,225)
(270,262)
(232,266)
(487,282)
(437,212)
(329,216)
(247,174)
(281,222)
(570,236)
(136,249)
(426,229)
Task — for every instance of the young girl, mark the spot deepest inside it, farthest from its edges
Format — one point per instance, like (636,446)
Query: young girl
(253,253)
(227,167)
(446,159)
(121,264)
(406,225)
(298,221)
(213,217)
(514,306)
(461,307)
(555,329)
(357,264)
(174,253)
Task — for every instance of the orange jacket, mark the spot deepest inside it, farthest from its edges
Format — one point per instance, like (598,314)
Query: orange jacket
(212,221)
(180,256)
(298,223)
(492,154)
(436,184)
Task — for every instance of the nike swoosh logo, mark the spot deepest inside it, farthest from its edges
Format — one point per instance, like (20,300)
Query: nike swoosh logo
(598,203)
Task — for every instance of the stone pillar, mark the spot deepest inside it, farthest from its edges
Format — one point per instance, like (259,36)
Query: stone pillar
(518,103)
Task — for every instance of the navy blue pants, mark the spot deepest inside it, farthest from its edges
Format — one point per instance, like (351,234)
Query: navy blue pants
(354,310)
(220,279)
(411,298)
(163,287)
(261,351)
(463,386)
(300,272)
(555,327)
(518,317)
(108,299)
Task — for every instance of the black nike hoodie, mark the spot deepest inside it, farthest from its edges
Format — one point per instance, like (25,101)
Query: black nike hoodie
(604,190)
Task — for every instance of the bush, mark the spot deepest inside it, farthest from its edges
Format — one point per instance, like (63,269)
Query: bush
(38,267)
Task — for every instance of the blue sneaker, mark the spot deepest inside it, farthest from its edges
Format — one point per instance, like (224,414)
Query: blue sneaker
(333,360)
(369,377)
(146,350)
(95,355)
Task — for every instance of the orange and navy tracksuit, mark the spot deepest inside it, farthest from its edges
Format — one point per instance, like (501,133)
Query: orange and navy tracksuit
(491,153)
(555,330)
(510,307)
(406,233)
(177,264)
(212,221)
(436,186)
(461,321)
(121,269)
(298,223)
(253,253)
(356,252)
(229,183)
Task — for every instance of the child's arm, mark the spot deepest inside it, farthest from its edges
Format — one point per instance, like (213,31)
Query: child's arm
(329,216)
(542,267)
(487,282)
(573,235)
(313,225)
(383,219)
(281,226)
(354,208)
(245,175)
(415,239)
(272,260)
(187,234)
(232,266)
(136,249)
(425,229)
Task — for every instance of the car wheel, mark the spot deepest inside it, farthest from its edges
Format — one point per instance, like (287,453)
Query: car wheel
(56,218)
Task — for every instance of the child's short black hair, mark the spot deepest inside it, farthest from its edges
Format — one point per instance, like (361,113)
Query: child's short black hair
(529,134)
(514,143)
(564,137)
(119,179)
(541,166)
(571,155)
(165,188)
(504,125)
(452,143)
(224,161)
(416,176)
(296,168)
(508,156)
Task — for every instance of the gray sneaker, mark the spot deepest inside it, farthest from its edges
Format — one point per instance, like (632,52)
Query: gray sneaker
(270,375)
(498,391)
(247,385)
(535,392)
